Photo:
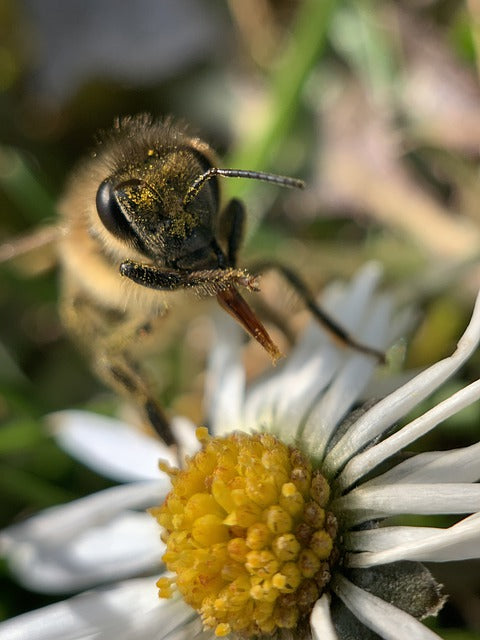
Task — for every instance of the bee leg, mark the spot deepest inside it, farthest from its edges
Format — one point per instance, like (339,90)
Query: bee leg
(336,330)
(121,375)
(108,340)
(231,231)
(207,281)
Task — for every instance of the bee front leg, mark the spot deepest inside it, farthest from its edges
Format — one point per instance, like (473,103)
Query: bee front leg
(110,340)
(206,281)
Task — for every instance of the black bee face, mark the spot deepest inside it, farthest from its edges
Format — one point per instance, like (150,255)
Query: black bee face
(145,206)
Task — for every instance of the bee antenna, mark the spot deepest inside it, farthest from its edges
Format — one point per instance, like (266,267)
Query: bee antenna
(284,181)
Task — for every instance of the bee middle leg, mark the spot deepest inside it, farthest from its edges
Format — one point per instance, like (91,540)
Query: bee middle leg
(332,326)
(110,340)
(232,225)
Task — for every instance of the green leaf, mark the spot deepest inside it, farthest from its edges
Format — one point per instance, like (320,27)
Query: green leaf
(285,86)
(29,489)
(19,434)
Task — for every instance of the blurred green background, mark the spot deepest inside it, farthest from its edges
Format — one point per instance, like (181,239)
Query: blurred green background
(376,104)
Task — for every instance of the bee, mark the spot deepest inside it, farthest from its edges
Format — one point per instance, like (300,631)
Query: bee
(141,219)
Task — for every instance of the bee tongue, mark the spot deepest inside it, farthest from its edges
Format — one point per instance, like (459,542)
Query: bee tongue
(230,300)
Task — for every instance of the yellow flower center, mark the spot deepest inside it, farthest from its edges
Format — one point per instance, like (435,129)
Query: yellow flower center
(247,534)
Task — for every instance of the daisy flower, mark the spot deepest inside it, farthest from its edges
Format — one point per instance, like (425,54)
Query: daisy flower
(280,521)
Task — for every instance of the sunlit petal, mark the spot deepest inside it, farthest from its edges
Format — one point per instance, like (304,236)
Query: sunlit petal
(226,380)
(321,621)
(370,502)
(368,460)
(350,381)
(458,465)
(459,542)
(287,397)
(398,403)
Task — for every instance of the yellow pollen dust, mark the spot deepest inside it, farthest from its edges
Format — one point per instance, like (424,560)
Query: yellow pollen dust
(245,528)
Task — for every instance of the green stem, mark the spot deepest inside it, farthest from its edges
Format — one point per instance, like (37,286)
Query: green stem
(286,83)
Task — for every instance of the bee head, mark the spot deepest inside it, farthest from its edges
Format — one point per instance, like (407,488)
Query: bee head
(147,207)
(162,195)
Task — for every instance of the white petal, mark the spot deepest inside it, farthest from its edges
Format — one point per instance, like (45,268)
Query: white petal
(129,610)
(320,620)
(304,383)
(350,381)
(55,525)
(310,367)
(384,538)
(285,398)
(397,404)
(184,432)
(311,364)
(126,546)
(458,465)
(190,630)
(357,296)
(389,622)
(226,377)
(369,502)
(369,459)
(459,542)
(109,446)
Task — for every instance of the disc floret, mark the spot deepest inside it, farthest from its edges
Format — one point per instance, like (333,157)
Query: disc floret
(247,533)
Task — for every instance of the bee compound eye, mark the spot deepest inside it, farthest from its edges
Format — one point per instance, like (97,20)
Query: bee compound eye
(110,212)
